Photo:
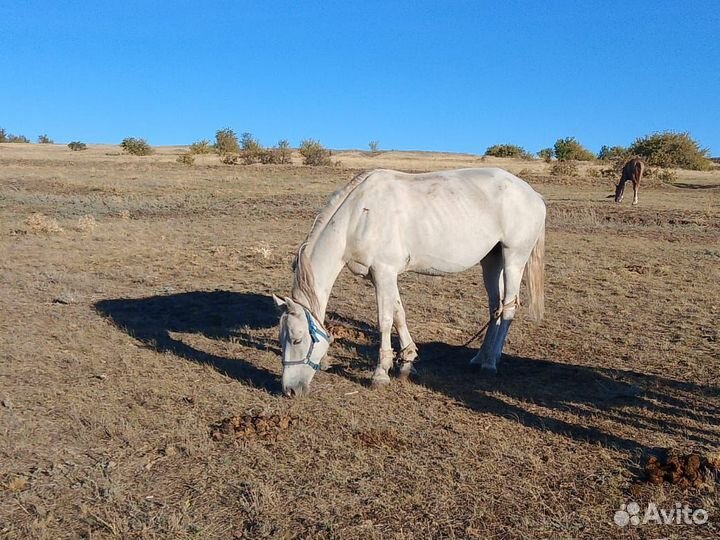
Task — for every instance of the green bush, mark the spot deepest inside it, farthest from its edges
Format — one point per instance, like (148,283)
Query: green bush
(76,146)
(186,159)
(667,176)
(564,168)
(508,150)
(569,149)
(226,142)
(201,147)
(613,153)
(546,154)
(314,153)
(671,149)
(44,139)
(136,147)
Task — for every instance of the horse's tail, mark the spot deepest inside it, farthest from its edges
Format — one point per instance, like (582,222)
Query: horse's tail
(536,277)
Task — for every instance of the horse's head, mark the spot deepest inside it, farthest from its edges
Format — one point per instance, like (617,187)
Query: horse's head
(619,191)
(304,342)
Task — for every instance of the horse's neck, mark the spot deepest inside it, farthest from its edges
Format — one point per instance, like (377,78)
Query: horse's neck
(326,260)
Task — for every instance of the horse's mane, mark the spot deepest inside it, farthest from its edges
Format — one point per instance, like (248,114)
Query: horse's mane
(303,290)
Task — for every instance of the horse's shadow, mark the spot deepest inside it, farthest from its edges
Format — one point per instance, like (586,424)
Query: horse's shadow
(213,314)
(543,394)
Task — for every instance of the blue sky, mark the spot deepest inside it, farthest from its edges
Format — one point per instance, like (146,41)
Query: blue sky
(453,76)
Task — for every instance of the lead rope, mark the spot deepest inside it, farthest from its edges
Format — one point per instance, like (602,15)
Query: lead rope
(498,313)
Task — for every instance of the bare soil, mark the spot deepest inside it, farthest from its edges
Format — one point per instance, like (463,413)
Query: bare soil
(136,317)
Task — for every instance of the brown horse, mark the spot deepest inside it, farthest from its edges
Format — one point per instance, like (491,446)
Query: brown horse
(632,170)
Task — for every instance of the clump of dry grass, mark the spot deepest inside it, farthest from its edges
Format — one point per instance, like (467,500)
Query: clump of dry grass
(40,223)
(19,483)
(86,223)
(124,214)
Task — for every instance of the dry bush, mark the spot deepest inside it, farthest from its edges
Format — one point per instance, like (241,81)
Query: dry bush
(201,147)
(569,149)
(508,150)
(136,147)
(17,139)
(250,149)
(186,159)
(564,168)
(546,154)
(374,147)
(230,159)
(86,223)
(226,142)
(44,139)
(76,146)
(40,223)
(667,176)
(314,153)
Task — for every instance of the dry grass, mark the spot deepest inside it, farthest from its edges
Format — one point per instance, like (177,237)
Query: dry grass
(121,349)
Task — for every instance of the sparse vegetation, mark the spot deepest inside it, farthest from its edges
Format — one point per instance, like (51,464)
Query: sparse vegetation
(44,139)
(314,153)
(564,168)
(76,146)
(277,155)
(508,150)
(40,223)
(136,147)
(374,147)
(546,154)
(3,135)
(226,142)
(230,159)
(17,139)
(671,149)
(569,149)
(186,159)
(667,176)
(201,147)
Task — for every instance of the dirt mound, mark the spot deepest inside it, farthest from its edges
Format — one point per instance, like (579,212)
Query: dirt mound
(261,426)
(684,470)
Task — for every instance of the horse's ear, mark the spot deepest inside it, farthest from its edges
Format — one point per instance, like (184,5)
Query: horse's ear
(280,304)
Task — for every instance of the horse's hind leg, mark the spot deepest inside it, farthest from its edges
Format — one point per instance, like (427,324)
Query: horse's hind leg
(386,291)
(408,350)
(492,268)
(636,187)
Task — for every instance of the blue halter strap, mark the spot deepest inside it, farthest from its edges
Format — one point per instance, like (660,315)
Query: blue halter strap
(316,332)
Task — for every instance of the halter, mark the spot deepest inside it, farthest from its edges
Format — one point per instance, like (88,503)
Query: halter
(316,332)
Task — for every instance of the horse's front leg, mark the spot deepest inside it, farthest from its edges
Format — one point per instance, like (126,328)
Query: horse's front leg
(385,281)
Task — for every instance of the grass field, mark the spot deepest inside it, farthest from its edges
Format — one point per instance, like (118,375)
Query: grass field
(136,314)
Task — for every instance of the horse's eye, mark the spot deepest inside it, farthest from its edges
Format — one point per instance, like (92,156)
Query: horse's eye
(297,341)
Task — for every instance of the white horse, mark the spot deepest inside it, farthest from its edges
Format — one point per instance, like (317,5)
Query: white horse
(386,222)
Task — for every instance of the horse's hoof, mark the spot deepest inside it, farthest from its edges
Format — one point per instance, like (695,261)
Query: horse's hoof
(488,372)
(406,371)
(379,380)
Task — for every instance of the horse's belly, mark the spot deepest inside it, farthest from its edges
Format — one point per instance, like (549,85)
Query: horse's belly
(455,253)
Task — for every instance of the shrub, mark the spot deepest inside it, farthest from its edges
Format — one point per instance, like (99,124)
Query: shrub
(613,153)
(76,146)
(569,149)
(201,147)
(3,135)
(17,139)
(507,150)
(230,159)
(374,145)
(136,147)
(277,155)
(226,142)
(667,176)
(186,159)
(546,154)
(564,168)
(314,153)
(251,149)
(671,149)
(44,139)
